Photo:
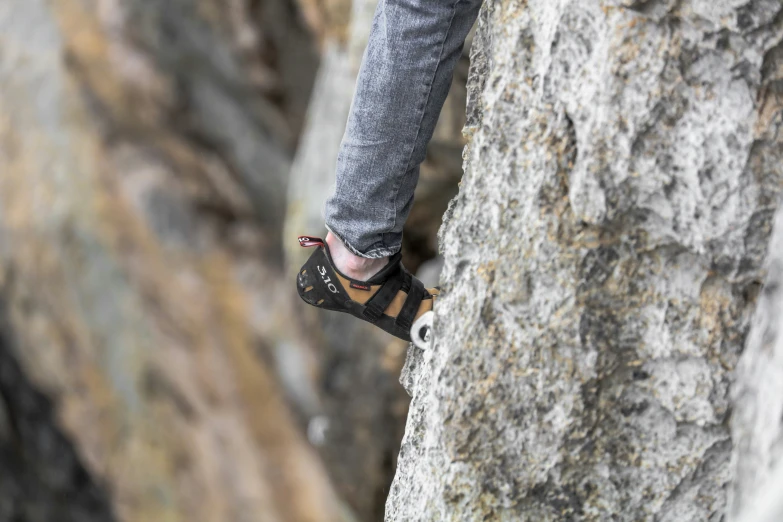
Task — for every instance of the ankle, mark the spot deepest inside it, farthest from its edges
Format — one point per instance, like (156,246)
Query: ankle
(355,267)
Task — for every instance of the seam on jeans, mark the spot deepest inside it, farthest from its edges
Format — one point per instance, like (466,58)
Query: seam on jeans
(423,112)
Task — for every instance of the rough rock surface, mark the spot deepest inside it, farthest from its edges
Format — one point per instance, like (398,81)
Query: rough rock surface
(602,262)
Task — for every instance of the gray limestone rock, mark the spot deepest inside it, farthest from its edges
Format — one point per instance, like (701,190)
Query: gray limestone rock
(602,263)
(137,316)
(43,477)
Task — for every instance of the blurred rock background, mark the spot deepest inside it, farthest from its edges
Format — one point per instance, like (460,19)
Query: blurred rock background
(158,158)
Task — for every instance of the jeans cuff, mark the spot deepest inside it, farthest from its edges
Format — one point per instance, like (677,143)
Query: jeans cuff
(372,253)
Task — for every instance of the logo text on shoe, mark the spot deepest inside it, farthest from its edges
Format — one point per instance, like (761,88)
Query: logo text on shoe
(327,280)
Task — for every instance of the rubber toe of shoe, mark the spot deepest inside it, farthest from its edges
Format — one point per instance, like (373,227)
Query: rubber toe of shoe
(305,285)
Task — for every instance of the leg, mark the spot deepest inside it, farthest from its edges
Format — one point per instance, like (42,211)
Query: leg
(403,82)
(404,79)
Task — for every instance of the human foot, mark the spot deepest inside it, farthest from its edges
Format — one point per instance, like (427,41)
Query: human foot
(350,264)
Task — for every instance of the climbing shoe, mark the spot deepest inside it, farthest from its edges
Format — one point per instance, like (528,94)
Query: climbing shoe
(391,300)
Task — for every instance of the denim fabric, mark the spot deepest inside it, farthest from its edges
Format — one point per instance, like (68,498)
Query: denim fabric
(405,76)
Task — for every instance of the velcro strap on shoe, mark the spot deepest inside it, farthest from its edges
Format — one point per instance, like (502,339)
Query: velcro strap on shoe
(374,308)
(412,305)
(407,280)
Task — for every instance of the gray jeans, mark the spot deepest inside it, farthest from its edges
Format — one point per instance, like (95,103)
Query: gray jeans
(403,81)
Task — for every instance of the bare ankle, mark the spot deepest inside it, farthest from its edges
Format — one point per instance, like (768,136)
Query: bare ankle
(355,267)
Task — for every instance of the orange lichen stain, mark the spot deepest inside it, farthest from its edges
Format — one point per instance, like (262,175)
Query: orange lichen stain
(714,310)
(88,47)
(487,271)
(770,105)
(510,10)
(259,397)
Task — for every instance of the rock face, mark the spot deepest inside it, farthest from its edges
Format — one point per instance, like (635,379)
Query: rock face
(144,147)
(602,262)
(43,477)
(758,403)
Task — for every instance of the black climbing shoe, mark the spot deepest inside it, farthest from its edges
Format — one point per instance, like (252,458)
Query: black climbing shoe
(391,300)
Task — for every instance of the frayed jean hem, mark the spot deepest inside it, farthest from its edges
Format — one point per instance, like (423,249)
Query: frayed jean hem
(371,253)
